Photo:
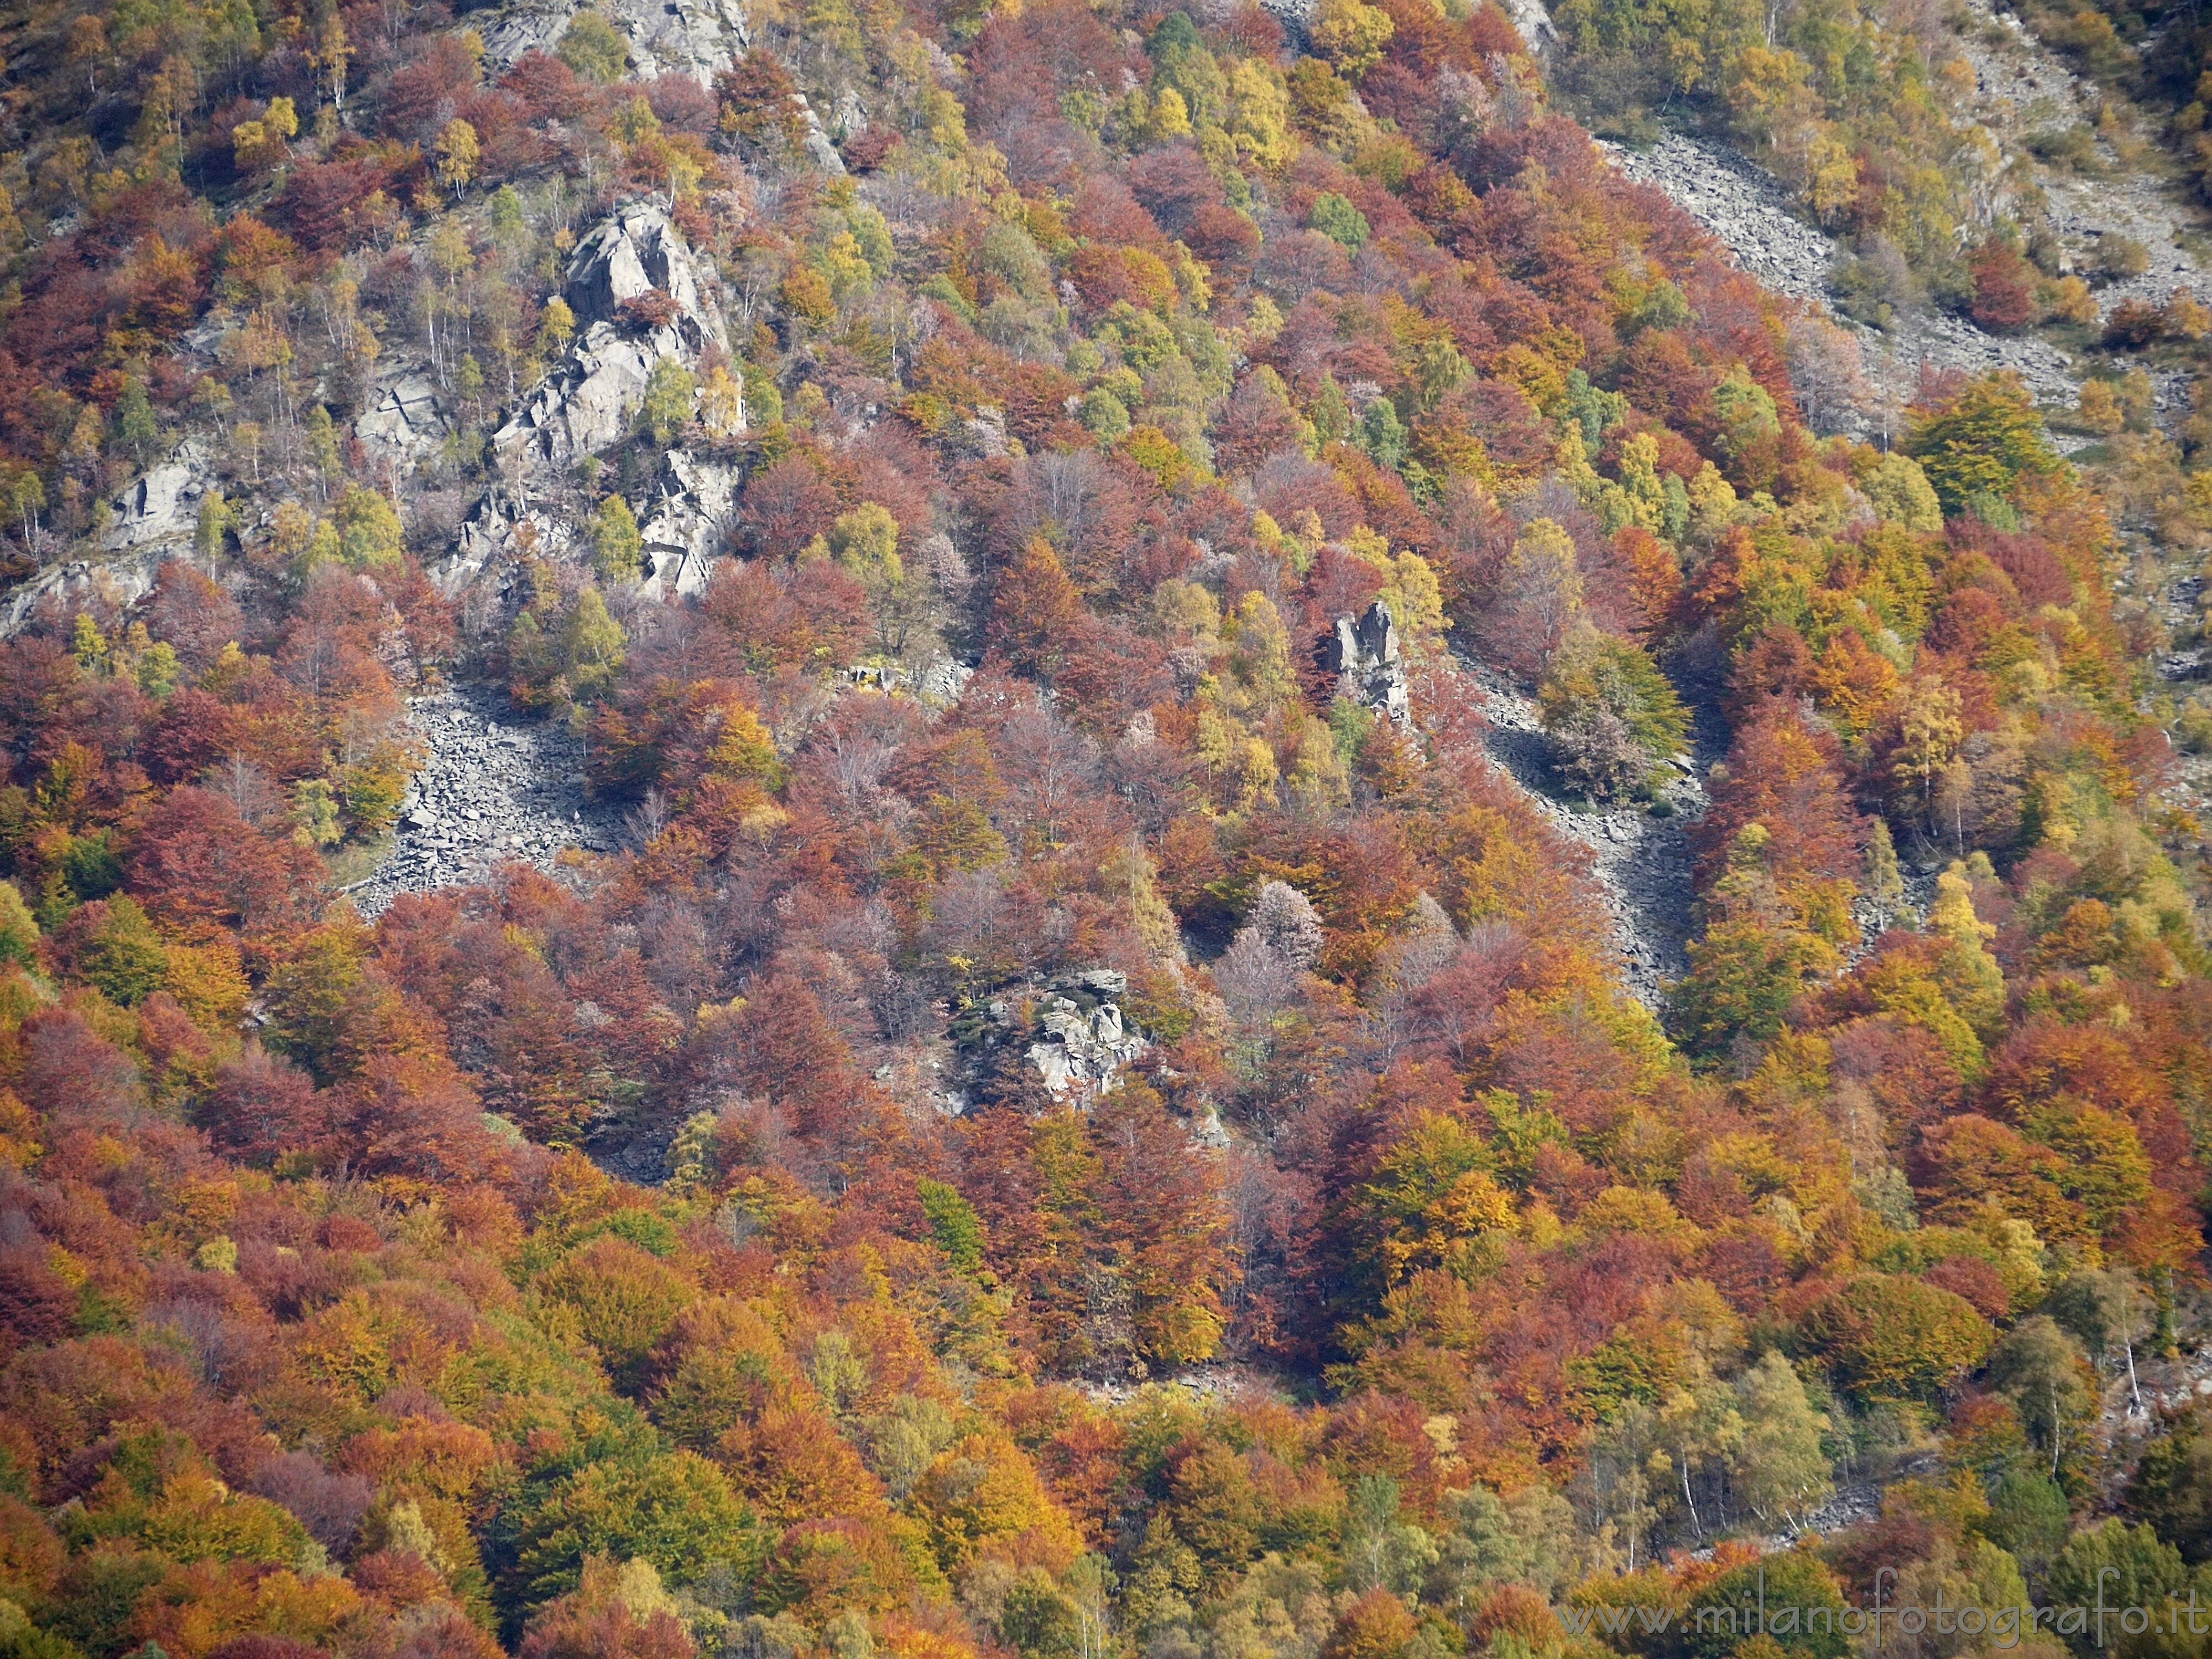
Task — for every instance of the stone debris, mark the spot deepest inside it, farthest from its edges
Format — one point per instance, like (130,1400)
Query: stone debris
(1750,214)
(1640,863)
(2021,87)
(1364,656)
(495,786)
(1743,205)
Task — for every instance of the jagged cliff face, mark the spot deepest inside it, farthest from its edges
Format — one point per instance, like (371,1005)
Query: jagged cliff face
(586,404)
(641,299)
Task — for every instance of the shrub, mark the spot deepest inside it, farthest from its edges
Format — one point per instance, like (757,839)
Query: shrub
(1611,712)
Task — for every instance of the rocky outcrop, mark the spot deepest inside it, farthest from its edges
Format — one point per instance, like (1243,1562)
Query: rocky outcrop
(493,536)
(1364,655)
(1534,24)
(688,521)
(813,140)
(626,256)
(404,423)
(641,298)
(586,404)
(162,506)
(495,786)
(151,520)
(698,38)
(1083,1044)
(938,682)
(59,589)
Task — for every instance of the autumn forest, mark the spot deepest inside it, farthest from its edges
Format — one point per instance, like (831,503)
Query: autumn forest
(1080,1110)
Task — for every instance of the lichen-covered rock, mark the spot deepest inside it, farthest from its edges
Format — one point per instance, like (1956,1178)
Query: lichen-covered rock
(589,408)
(1535,23)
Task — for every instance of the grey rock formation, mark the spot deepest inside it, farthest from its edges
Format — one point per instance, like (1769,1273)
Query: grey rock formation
(150,521)
(586,404)
(812,139)
(489,539)
(698,38)
(1084,1044)
(942,680)
(1364,656)
(404,423)
(687,522)
(1533,23)
(627,254)
(589,401)
(161,507)
(59,589)
(495,786)
(938,682)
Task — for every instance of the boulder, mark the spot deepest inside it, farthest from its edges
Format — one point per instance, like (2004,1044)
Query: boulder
(405,421)
(941,681)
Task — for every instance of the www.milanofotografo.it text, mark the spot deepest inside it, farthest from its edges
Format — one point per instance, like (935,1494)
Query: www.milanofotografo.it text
(1881,1618)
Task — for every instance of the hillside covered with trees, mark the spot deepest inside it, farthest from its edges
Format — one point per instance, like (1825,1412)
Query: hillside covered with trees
(1087,1117)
